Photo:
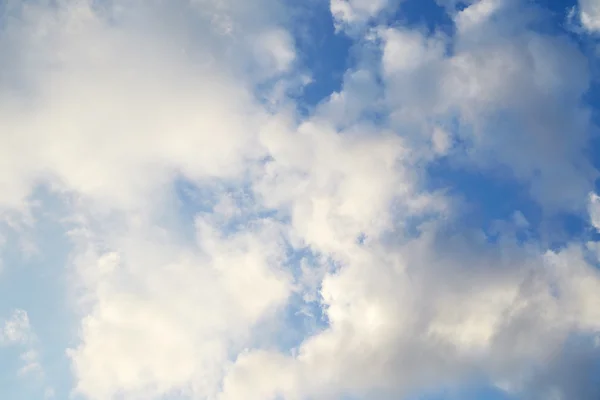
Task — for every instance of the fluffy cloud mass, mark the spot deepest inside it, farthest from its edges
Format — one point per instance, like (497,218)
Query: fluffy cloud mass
(589,13)
(210,231)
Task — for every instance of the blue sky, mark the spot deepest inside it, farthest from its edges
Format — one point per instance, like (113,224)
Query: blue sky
(284,199)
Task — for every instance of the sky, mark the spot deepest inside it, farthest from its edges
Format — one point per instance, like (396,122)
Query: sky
(300,199)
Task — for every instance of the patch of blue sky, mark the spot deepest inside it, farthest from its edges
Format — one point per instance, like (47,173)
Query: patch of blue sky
(423,14)
(188,201)
(20,388)
(37,283)
(492,192)
(487,197)
(12,385)
(554,17)
(324,52)
(300,320)
(557,21)
(592,98)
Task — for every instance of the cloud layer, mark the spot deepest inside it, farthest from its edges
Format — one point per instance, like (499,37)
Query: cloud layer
(224,245)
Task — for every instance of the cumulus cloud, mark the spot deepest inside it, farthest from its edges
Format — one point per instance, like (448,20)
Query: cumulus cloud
(508,87)
(164,319)
(328,217)
(413,324)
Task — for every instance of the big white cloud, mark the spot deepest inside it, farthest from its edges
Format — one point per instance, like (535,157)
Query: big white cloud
(114,105)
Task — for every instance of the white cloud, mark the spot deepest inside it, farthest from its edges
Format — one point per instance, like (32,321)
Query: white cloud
(447,306)
(112,107)
(158,97)
(476,14)
(349,13)
(440,140)
(507,87)
(406,51)
(589,14)
(16,329)
(117,110)
(422,314)
(163,317)
(594,210)
(275,51)
(337,185)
